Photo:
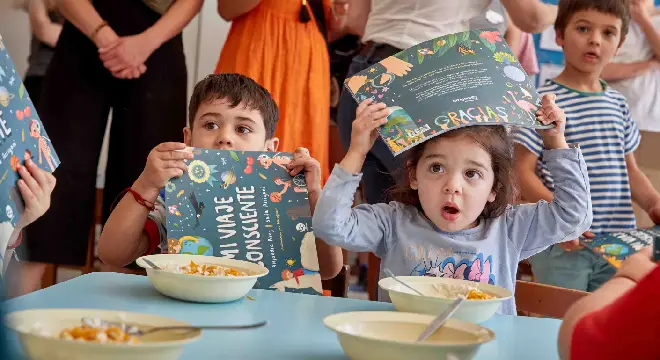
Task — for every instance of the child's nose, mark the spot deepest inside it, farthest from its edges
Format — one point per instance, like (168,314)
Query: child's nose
(225,138)
(453,185)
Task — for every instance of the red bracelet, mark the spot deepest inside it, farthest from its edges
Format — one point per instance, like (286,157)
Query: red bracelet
(138,198)
(17,243)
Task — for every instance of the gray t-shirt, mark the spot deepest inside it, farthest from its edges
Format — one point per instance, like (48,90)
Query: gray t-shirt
(408,243)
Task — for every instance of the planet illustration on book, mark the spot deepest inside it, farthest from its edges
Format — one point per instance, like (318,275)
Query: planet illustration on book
(614,249)
(194,245)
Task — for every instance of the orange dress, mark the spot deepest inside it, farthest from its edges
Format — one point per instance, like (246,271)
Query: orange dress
(290,59)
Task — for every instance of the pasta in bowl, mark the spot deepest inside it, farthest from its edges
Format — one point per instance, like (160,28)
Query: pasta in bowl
(482,300)
(198,278)
(59,334)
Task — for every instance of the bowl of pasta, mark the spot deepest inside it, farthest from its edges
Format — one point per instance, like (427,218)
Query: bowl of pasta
(82,334)
(482,299)
(385,335)
(199,278)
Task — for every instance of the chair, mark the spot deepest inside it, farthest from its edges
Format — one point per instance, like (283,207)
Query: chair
(338,285)
(545,300)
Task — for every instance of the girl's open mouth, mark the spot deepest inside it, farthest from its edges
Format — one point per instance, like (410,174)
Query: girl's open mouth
(450,212)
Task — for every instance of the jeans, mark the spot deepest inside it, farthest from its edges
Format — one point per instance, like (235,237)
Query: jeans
(380,165)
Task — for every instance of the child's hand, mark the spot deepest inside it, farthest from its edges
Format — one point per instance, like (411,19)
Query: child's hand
(163,163)
(638,265)
(303,161)
(36,186)
(551,113)
(370,116)
(575,244)
(639,11)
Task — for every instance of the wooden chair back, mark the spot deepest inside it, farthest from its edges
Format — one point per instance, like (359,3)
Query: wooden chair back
(545,300)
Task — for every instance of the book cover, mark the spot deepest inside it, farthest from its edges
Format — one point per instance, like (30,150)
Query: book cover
(616,247)
(22,136)
(457,80)
(246,206)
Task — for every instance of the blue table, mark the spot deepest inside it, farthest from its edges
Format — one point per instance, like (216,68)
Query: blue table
(295,329)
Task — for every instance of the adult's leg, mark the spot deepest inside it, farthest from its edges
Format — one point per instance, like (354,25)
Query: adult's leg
(74,110)
(379,166)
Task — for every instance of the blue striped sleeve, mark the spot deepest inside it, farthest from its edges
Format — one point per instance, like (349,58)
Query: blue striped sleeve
(528,138)
(632,136)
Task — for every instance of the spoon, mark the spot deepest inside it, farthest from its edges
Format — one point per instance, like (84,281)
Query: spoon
(441,319)
(150,263)
(391,274)
(134,330)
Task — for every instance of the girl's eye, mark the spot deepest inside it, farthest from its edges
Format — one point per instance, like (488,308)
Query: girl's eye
(437,169)
(243,130)
(583,29)
(473,174)
(210,126)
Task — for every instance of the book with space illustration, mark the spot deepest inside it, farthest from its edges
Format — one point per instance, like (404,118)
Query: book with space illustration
(246,206)
(22,136)
(457,80)
(617,246)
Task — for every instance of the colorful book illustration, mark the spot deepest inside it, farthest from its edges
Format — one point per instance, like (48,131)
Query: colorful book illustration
(616,247)
(22,136)
(457,80)
(246,206)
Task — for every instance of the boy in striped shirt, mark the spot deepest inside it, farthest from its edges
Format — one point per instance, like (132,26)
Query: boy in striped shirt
(599,120)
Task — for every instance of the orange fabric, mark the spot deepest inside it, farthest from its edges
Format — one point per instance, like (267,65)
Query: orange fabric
(290,59)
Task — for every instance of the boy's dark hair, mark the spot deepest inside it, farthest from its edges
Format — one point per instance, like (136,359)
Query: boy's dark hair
(495,141)
(618,8)
(236,89)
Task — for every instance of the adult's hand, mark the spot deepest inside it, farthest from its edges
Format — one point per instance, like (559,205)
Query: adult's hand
(125,57)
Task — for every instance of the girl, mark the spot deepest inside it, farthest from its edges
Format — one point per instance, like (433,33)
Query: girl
(452,218)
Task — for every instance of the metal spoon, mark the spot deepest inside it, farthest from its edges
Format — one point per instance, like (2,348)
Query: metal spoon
(150,263)
(391,274)
(441,319)
(134,330)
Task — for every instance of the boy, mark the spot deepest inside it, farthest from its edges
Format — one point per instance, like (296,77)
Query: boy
(599,120)
(226,112)
(635,70)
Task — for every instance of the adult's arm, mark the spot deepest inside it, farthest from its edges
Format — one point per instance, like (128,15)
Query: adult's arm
(531,16)
(43,28)
(82,15)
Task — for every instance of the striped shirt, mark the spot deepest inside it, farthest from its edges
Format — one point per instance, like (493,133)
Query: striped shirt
(603,127)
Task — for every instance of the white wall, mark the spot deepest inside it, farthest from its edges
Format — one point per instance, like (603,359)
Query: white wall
(15,31)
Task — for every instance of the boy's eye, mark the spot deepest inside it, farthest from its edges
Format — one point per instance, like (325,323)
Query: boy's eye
(243,130)
(473,174)
(210,126)
(437,168)
(582,29)
(609,33)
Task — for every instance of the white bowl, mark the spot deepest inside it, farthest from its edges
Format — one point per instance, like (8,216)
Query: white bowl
(197,288)
(474,311)
(38,332)
(384,335)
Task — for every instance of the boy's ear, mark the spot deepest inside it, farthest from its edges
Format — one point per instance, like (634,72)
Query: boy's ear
(187,136)
(272,144)
(559,37)
(623,39)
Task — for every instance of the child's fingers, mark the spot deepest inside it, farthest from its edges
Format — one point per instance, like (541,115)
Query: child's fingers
(174,164)
(376,124)
(50,182)
(363,105)
(374,111)
(36,172)
(29,180)
(174,173)
(176,155)
(28,196)
(170,146)
(380,114)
